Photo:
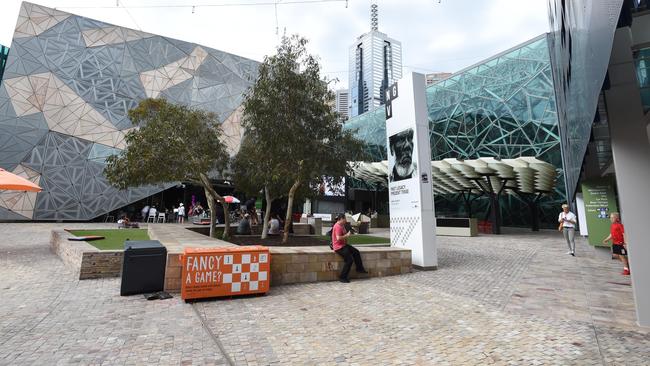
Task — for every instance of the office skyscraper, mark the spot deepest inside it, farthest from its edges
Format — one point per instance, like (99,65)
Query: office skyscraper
(343,103)
(375,63)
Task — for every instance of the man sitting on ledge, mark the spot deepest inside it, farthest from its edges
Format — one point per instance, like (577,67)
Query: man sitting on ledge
(349,253)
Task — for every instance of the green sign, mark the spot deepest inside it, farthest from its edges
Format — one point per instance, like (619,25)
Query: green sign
(600,201)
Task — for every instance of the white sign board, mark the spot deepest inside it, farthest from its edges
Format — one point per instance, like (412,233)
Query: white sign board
(323,216)
(412,220)
(582,215)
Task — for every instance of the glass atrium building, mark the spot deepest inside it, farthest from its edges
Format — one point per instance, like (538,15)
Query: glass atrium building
(502,107)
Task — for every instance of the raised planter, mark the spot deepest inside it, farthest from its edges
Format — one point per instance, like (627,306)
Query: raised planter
(84,259)
(288,264)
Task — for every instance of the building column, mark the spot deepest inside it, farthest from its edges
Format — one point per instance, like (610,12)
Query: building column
(631,153)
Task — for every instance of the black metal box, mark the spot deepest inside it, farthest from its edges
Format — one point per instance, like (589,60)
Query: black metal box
(143,268)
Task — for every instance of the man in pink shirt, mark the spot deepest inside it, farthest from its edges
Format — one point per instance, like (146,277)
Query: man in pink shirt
(349,253)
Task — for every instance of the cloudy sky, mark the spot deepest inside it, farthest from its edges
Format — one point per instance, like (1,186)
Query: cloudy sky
(436,35)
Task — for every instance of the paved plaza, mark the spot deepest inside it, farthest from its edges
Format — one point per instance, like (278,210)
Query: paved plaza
(510,299)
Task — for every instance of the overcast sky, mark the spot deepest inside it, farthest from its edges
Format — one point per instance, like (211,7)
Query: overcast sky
(436,35)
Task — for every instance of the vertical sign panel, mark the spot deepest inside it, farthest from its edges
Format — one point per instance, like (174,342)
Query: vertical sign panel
(599,203)
(412,223)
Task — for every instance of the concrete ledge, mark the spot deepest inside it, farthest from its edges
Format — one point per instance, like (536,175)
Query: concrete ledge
(310,264)
(288,264)
(83,258)
(456,231)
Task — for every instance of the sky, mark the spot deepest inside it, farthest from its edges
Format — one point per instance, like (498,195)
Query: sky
(436,35)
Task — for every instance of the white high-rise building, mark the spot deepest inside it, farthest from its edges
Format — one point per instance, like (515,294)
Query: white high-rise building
(375,63)
(342,103)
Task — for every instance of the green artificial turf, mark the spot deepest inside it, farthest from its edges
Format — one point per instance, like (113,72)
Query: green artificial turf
(114,237)
(362,239)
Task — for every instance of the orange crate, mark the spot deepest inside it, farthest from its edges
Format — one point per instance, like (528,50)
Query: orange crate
(228,271)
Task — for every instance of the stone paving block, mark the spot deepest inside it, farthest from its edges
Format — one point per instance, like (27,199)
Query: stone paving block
(280,258)
(295,267)
(383,263)
(326,276)
(299,258)
(394,255)
(308,276)
(370,256)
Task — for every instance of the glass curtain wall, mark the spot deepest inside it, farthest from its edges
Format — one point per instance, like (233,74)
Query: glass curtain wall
(4,53)
(502,107)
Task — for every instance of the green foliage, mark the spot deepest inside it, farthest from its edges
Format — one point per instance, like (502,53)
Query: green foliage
(252,171)
(173,143)
(288,114)
(114,238)
(289,119)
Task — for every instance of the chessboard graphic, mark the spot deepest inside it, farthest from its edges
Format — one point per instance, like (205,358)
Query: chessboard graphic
(214,272)
(245,274)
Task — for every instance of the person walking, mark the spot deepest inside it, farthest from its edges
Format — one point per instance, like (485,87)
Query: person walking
(181,213)
(145,213)
(618,238)
(567,220)
(349,253)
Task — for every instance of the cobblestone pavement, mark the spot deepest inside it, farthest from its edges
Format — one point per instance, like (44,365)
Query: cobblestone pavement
(511,299)
(48,317)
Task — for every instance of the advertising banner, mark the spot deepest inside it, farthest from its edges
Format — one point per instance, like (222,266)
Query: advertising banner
(412,220)
(226,271)
(600,201)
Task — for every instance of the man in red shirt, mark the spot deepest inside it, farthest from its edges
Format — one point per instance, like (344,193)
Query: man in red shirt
(349,253)
(617,236)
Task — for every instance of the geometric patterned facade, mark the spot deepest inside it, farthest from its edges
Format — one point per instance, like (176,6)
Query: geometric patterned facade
(67,86)
(502,107)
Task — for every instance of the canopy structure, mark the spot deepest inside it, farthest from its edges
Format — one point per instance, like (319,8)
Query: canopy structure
(13,182)
(527,177)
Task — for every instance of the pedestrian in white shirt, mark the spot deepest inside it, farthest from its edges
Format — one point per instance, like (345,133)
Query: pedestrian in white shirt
(145,213)
(181,213)
(568,220)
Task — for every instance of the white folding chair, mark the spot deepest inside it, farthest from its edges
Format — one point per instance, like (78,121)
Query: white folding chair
(151,217)
(161,217)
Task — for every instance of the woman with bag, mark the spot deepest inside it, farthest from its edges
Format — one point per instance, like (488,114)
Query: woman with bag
(567,220)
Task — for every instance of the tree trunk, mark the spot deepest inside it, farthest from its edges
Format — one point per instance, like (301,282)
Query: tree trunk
(208,188)
(288,217)
(267,213)
(213,217)
(226,220)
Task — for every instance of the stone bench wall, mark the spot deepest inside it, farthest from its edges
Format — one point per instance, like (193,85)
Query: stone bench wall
(313,264)
(322,264)
(288,264)
(84,259)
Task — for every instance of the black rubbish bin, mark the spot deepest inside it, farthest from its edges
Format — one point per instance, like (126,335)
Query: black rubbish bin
(143,269)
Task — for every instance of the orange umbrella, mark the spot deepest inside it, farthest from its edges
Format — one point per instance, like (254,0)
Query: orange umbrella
(12,182)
